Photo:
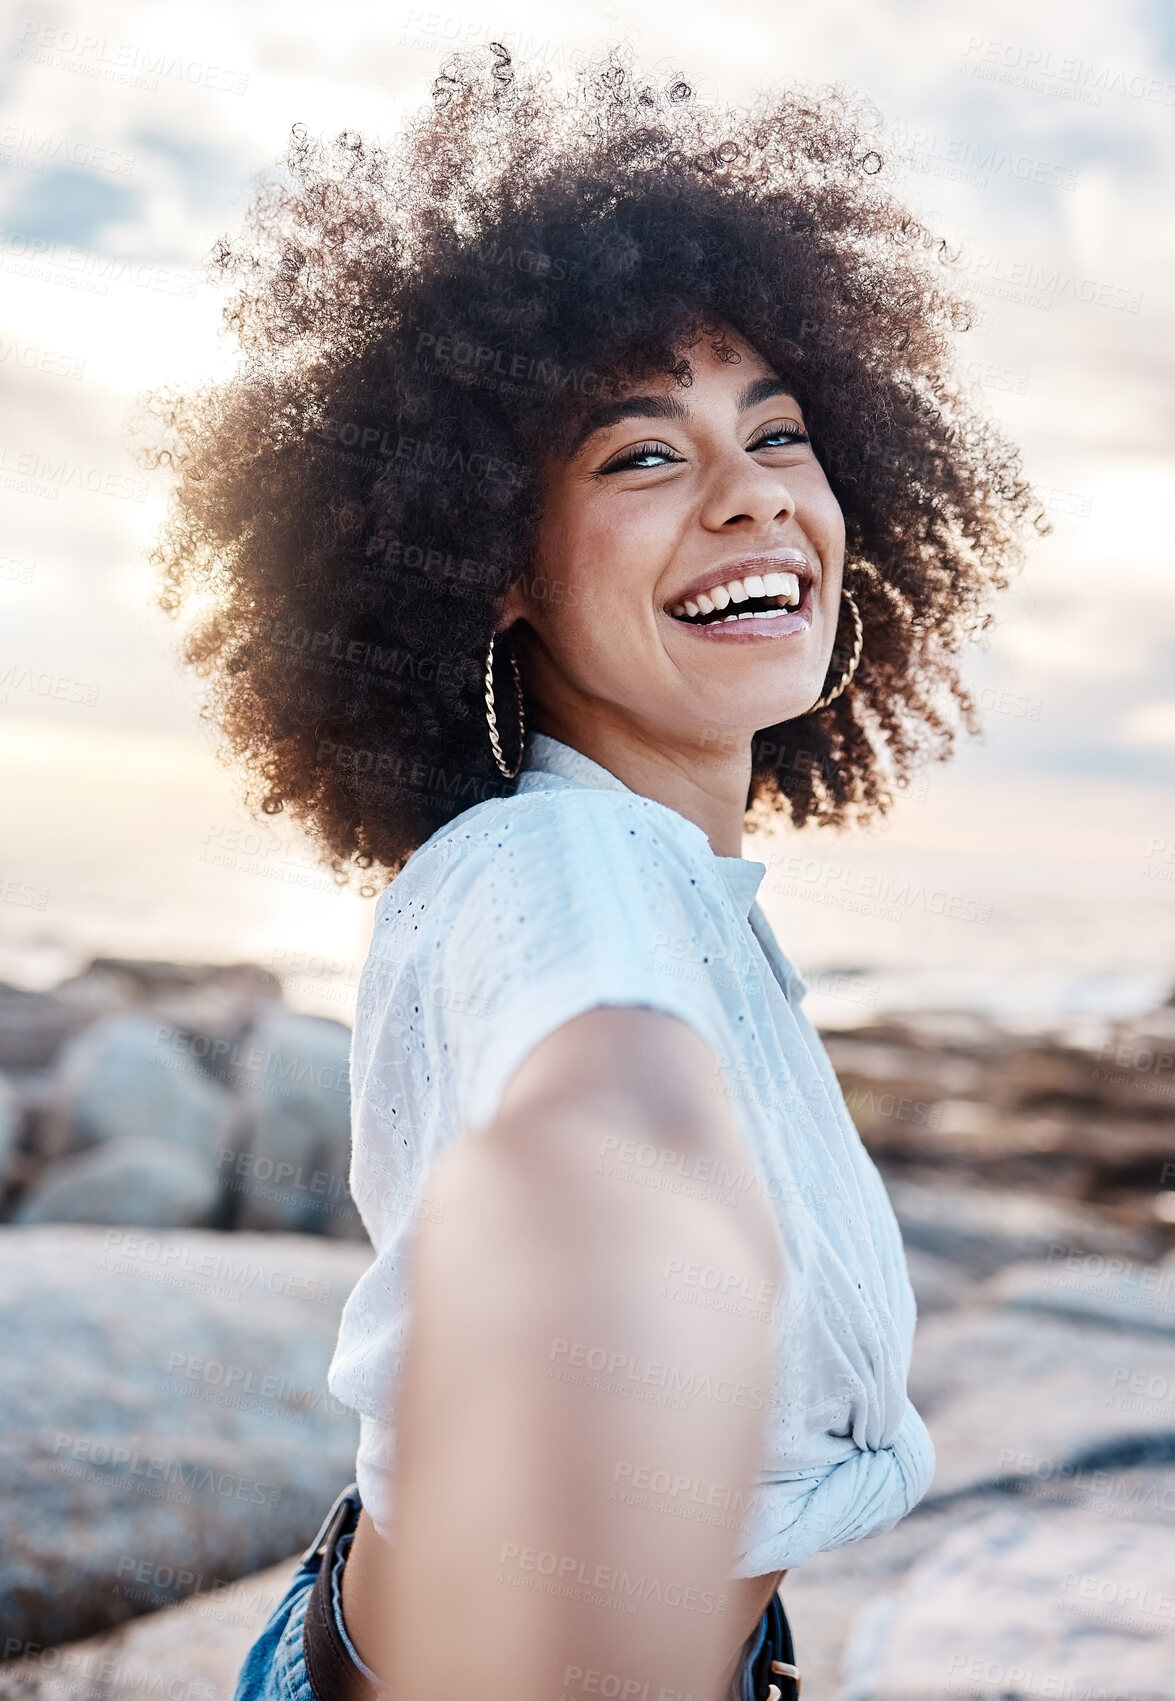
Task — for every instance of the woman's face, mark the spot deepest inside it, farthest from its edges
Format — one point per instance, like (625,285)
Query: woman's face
(689,567)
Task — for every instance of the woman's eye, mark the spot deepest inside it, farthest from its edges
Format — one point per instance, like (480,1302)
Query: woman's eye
(780,436)
(642,456)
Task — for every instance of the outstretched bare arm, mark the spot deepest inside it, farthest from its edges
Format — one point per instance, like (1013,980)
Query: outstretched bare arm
(553,1366)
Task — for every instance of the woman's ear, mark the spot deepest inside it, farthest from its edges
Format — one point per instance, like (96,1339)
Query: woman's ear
(513,607)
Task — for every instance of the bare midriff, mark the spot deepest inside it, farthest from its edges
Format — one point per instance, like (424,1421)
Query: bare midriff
(364,1595)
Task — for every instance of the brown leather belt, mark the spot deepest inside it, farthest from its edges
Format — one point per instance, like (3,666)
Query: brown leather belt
(333,1674)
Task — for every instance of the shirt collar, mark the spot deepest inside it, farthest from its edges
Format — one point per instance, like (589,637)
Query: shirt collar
(547,756)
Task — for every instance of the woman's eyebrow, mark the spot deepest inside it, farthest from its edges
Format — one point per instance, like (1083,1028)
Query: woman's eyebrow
(629,407)
(670,407)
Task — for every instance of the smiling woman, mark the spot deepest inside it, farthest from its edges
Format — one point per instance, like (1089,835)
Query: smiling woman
(593,483)
(408,380)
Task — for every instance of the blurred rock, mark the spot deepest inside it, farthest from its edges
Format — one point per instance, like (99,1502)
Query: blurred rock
(938,1284)
(149,978)
(1021,1605)
(11,1120)
(194,1651)
(878,1076)
(1008,1393)
(35,1025)
(980,1229)
(1114,1291)
(148,1183)
(827,1595)
(288,1164)
(165,1405)
(133,1075)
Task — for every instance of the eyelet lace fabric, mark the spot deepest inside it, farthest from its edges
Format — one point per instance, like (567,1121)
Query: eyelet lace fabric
(524,912)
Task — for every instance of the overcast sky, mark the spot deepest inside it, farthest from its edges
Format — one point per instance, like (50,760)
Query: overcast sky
(1038,138)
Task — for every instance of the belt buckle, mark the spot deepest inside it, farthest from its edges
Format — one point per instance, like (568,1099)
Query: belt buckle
(322,1538)
(781,1668)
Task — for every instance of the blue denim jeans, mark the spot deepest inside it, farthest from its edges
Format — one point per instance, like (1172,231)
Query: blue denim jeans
(275,1666)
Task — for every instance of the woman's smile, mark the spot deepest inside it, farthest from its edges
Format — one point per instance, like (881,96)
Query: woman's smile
(768,595)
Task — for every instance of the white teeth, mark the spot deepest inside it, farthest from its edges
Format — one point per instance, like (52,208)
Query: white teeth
(782,585)
(785,586)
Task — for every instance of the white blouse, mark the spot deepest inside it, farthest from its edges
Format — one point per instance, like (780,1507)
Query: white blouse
(524,912)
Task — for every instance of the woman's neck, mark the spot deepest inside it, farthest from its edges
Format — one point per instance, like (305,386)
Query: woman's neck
(708,785)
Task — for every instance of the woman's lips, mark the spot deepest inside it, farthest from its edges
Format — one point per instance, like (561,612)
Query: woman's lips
(757,628)
(785,559)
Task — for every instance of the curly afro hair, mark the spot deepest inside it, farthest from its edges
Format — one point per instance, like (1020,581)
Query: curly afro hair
(423,325)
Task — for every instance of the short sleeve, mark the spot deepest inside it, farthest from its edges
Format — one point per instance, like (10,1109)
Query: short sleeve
(563,903)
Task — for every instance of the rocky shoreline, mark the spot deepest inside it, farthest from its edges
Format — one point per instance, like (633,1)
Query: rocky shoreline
(177,1240)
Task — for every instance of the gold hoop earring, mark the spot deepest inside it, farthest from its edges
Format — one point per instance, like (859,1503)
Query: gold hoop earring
(492,718)
(854,659)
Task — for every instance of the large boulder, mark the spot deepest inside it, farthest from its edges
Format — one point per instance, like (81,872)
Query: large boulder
(149,1183)
(133,1074)
(1119,1292)
(1020,1605)
(287,1165)
(35,1025)
(980,1229)
(1021,1394)
(165,1407)
(194,1651)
